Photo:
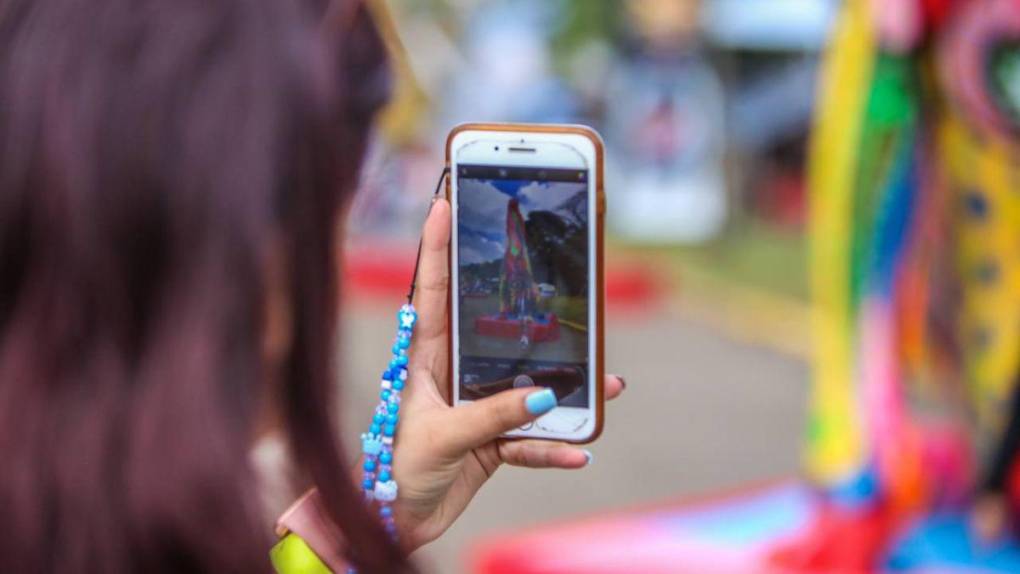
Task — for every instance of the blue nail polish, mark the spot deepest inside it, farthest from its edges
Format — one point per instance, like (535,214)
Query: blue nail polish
(541,402)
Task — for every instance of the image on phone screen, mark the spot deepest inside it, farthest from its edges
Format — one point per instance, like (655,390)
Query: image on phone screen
(522,263)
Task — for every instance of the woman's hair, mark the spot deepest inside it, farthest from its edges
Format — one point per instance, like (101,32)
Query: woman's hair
(154,155)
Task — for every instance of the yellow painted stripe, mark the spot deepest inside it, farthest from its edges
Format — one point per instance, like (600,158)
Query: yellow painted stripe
(574,325)
(835,448)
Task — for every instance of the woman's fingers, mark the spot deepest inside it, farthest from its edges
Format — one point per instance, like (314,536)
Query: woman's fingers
(615,385)
(474,424)
(433,272)
(543,454)
(471,425)
(430,349)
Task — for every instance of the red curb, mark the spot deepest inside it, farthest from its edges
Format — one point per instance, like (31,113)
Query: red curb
(377,271)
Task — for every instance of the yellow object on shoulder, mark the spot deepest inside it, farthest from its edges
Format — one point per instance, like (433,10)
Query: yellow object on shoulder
(292,555)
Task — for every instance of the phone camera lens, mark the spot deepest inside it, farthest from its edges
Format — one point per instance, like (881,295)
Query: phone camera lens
(496,148)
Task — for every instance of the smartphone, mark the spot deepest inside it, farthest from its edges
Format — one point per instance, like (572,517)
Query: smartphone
(526,297)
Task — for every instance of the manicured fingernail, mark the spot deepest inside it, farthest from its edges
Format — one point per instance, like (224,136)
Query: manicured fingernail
(540,402)
(588,455)
(623,381)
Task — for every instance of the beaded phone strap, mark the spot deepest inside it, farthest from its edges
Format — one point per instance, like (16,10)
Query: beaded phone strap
(377,444)
(296,555)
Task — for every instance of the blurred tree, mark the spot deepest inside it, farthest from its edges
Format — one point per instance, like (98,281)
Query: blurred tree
(583,22)
(558,249)
(545,232)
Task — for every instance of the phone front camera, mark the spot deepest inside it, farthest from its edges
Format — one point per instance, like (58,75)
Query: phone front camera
(496,148)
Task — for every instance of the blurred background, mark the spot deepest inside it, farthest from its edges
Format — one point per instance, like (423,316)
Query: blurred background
(705,107)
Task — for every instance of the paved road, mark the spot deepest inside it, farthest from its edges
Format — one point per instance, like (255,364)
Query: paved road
(701,412)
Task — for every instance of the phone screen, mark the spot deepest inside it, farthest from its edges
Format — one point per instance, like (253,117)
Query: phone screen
(523,279)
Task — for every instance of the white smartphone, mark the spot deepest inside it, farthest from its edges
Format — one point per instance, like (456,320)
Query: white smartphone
(526,270)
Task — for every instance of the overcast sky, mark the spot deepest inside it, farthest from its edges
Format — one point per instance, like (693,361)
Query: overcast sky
(481,216)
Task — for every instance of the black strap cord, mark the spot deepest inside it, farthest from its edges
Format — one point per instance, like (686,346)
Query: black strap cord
(417,259)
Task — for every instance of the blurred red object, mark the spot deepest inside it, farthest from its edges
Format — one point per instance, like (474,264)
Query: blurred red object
(384,271)
(936,12)
(848,542)
(377,270)
(538,332)
(728,533)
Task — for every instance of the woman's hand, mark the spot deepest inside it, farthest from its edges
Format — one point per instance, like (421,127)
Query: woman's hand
(443,455)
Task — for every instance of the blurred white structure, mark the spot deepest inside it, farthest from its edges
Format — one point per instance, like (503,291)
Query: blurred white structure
(666,129)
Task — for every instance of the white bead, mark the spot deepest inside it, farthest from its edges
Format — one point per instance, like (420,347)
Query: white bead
(386,491)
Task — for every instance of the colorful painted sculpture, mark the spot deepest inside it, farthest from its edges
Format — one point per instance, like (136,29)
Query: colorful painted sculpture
(516,283)
(914,427)
(518,316)
(915,264)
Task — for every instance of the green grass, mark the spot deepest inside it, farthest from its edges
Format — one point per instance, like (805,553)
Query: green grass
(572,309)
(750,254)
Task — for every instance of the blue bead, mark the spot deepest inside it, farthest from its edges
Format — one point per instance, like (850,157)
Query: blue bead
(403,342)
(402,360)
(375,429)
(406,318)
(391,419)
(366,484)
(386,457)
(393,407)
(384,476)
(388,430)
(385,394)
(386,511)
(378,419)
(398,385)
(387,375)
(393,363)
(369,465)
(396,349)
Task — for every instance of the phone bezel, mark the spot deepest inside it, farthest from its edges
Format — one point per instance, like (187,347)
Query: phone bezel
(587,145)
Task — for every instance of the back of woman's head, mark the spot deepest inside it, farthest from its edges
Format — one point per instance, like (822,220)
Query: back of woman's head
(154,156)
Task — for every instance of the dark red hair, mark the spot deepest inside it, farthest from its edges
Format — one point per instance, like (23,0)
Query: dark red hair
(152,154)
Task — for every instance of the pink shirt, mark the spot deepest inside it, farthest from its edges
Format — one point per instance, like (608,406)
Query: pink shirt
(307,519)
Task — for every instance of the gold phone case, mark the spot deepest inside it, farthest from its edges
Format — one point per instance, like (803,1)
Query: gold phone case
(600,214)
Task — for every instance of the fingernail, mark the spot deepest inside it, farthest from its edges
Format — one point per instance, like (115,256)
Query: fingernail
(588,455)
(623,381)
(540,402)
